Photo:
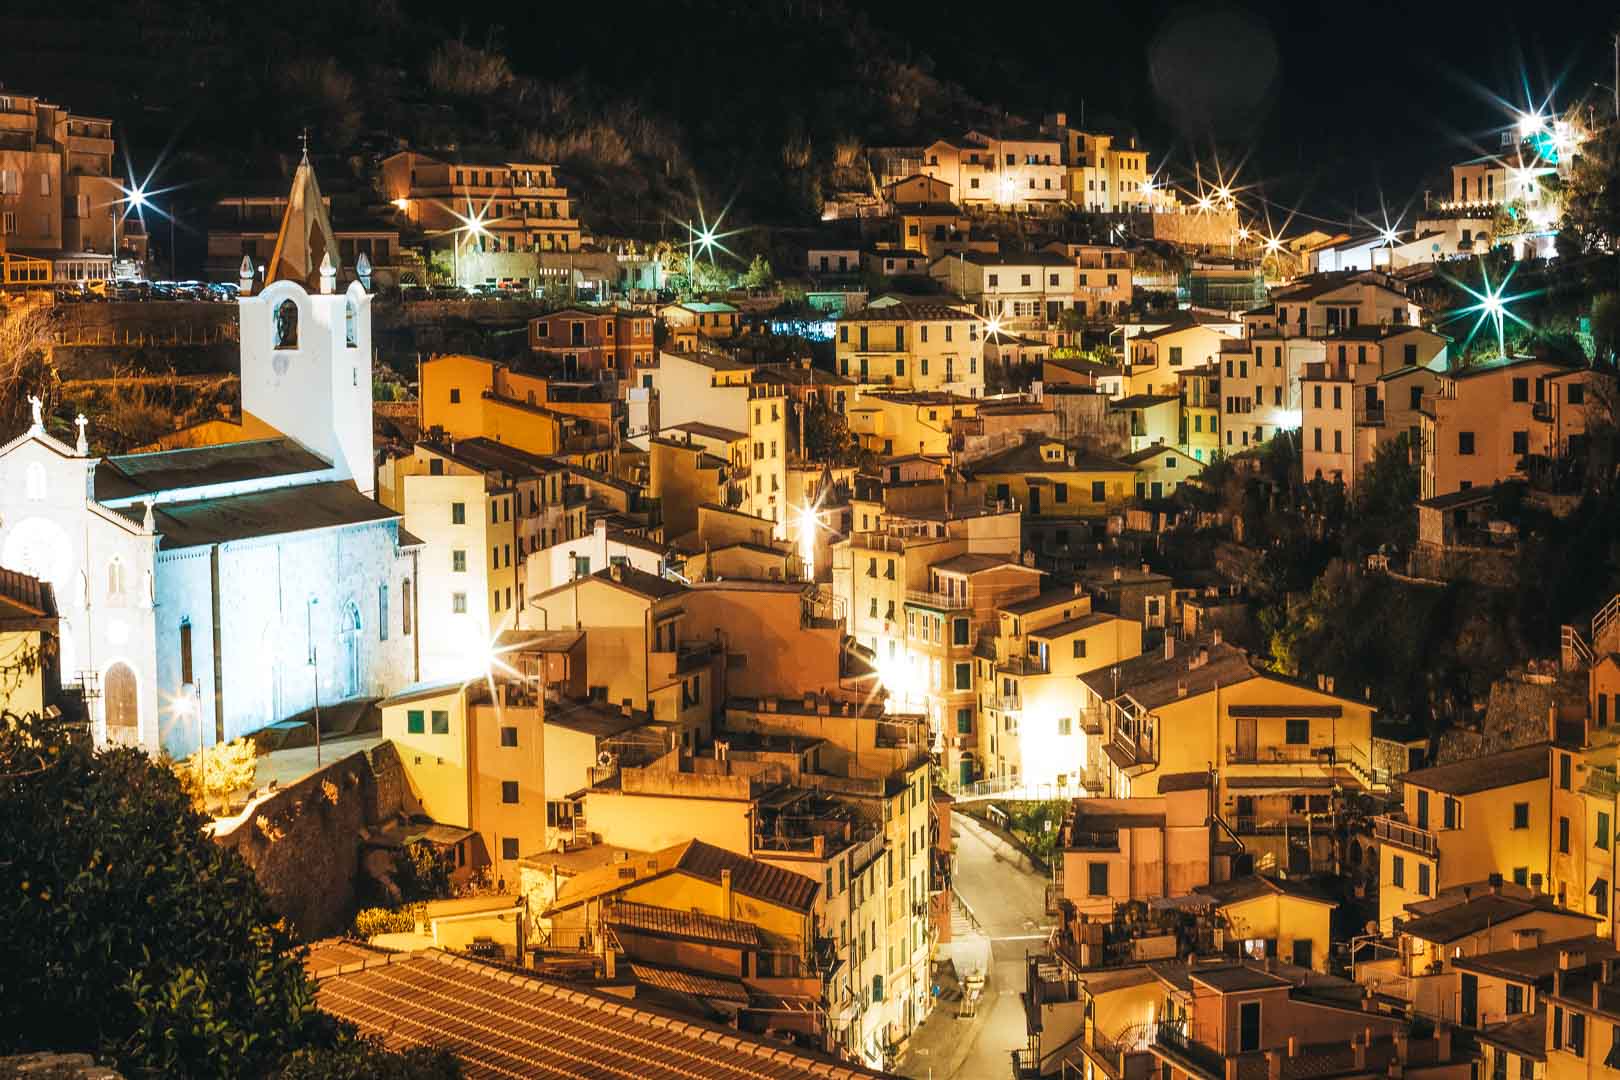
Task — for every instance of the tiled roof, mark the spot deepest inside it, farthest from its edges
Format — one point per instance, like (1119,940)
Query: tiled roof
(1154,680)
(332,953)
(1026,458)
(909,311)
(1480,913)
(275,512)
(677,981)
(686,925)
(750,877)
(1498,770)
(501,1023)
(22,595)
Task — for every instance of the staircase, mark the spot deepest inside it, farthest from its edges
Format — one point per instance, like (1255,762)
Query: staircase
(1575,653)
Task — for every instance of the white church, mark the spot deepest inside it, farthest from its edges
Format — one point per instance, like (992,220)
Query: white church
(211,590)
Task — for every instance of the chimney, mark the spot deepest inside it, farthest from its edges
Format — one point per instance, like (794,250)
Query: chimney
(725,894)
(1079,589)
(1442,1042)
(1527,938)
(1293,1046)
(1169,647)
(1607,970)
(616,571)
(1321,681)
(1203,651)
(1330,684)
(1571,959)
(1146,569)
(610,962)
(1181,688)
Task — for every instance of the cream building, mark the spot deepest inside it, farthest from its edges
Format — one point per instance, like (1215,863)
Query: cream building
(923,347)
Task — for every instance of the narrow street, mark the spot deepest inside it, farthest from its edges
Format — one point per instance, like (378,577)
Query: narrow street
(1007,897)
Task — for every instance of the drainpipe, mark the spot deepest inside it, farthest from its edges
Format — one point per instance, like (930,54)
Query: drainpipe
(219,681)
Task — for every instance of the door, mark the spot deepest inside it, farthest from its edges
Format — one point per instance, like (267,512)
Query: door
(1423,809)
(1158,489)
(967,770)
(1468,1006)
(1034,500)
(1302,952)
(1247,738)
(1248,1027)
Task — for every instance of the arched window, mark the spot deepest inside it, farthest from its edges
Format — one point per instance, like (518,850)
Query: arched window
(286,325)
(115,580)
(405,605)
(36,481)
(351,330)
(121,705)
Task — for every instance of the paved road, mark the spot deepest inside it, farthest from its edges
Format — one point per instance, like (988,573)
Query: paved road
(1008,897)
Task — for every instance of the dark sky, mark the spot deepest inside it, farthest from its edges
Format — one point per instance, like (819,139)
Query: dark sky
(1331,103)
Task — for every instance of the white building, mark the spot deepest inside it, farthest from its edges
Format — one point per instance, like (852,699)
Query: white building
(207,592)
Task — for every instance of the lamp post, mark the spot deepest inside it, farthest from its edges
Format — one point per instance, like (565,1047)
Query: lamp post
(315,666)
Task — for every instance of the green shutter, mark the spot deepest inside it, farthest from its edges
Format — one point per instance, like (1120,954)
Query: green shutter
(413,722)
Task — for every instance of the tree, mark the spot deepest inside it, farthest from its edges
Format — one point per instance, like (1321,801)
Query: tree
(227,768)
(827,437)
(758,275)
(1592,197)
(132,935)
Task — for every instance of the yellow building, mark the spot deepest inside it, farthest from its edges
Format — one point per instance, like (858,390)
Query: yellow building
(467,587)
(1267,916)
(909,346)
(1055,481)
(29,632)
(1281,749)
(1151,419)
(906,422)
(683,476)
(692,320)
(474,757)
(1200,433)
(1160,469)
(1118,851)
(467,396)
(637,650)
(1033,726)
(1463,822)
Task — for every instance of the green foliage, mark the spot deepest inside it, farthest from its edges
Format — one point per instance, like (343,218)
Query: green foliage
(227,770)
(758,275)
(827,436)
(422,872)
(1385,492)
(1036,824)
(371,921)
(357,1058)
(130,934)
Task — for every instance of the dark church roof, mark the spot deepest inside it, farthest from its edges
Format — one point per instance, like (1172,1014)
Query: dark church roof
(137,475)
(276,512)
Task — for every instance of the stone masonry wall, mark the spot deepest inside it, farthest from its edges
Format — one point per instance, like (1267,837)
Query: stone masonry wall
(303,842)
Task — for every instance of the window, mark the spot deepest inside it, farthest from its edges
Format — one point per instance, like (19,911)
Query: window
(1512,999)
(1563,835)
(959,632)
(405,606)
(1521,815)
(964,676)
(1521,443)
(415,722)
(1298,732)
(1079,648)
(1576,394)
(1099,491)
(458,513)
(1577,1033)
(1451,813)
(964,721)
(1097,879)
(186,676)
(458,561)
(1397,872)
(382,611)
(1060,493)
(1465,443)
(1423,879)
(1563,771)
(509,847)
(286,326)
(455,395)
(441,722)
(1521,389)
(1602,838)
(458,603)
(1175,356)
(1612,1061)
(508,735)
(509,791)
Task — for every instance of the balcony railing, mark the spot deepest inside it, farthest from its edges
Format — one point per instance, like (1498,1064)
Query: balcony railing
(1092,721)
(937,600)
(1023,664)
(1604,783)
(1407,836)
(1370,415)
(1136,751)
(1007,703)
(1172,1035)
(1325,756)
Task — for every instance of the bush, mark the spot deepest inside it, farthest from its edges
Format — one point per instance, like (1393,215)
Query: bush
(370,922)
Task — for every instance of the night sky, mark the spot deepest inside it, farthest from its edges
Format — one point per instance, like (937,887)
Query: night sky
(1332,102)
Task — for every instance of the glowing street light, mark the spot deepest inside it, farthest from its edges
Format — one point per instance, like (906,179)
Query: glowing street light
(1491,305)
(1530,123)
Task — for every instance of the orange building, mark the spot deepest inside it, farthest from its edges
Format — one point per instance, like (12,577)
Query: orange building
(588,341)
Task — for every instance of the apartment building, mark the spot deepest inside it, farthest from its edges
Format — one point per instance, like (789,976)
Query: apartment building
(467,585)
(473,749)
(1483,420)
(1102,178)
(1018,170)
(1031,730)
(61,197)
(712,389)
(1462,822)
(909,423)
(1326,303)
(592,342)
(1065,490)
(519,206)
(1102,279)
(1200,433)
(1025,291)
(912,346)
(1281,749)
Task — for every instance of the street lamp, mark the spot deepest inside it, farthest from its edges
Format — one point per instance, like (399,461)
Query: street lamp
(315,666)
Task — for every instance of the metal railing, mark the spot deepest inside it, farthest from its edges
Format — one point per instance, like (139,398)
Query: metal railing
(1370,415)
(1411,837)
(937,600)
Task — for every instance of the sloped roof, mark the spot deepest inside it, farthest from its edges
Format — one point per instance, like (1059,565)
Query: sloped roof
(749,877)
(684,925)
(276,512)
(1498,770)
(1026,457)
(550,1029)
(22,596)
(1480,913)
(306,236)
(126,475)
(1154,680)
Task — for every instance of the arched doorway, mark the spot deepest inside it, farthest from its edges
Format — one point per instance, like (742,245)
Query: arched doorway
(120,699)
(351,651)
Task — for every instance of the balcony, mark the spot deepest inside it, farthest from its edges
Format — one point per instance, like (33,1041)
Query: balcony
(937,601)
(1007,703)
(1022,664)
(1173,1037)
(1387,830)
(1325,756)
(1128,751)
(1370,414)
(1092,721)
(1604,783)
(1094,840)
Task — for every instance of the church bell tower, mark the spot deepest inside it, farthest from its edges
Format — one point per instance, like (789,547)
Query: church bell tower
(305,345)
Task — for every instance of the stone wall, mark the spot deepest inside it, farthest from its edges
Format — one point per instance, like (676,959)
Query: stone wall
(1517,714)
(303,842)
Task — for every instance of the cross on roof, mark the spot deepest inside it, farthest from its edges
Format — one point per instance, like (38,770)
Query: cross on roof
(303,141)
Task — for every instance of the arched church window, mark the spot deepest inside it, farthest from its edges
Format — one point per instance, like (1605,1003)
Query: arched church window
(115,580)
(121,705)
(351,330)
(286,325)
(405,605)
(36,481)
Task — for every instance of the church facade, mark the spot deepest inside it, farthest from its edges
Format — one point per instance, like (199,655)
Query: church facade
(212,590)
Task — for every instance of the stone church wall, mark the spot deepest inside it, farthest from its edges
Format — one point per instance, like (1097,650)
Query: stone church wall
(303,842)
